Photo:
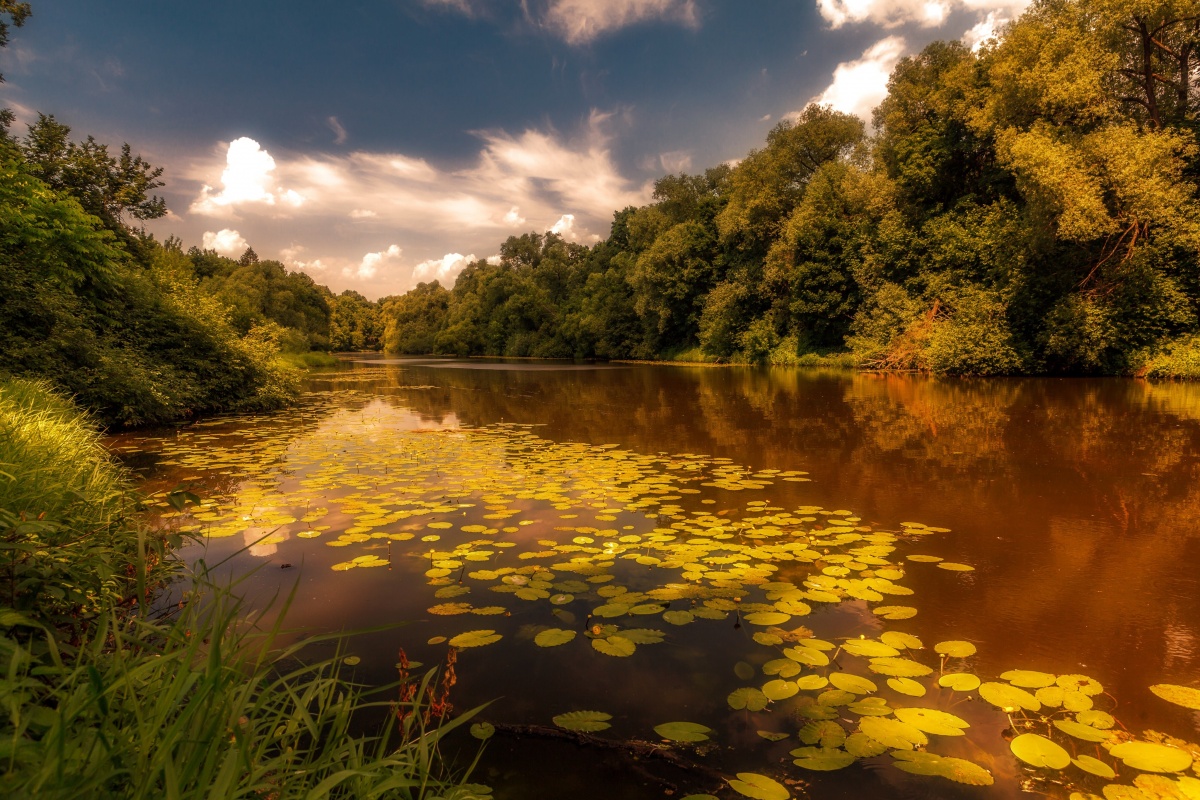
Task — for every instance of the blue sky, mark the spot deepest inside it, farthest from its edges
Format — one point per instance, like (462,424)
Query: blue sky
(379,143)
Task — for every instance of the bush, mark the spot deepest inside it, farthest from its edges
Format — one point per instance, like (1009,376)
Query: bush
(973,339)
(1180,359)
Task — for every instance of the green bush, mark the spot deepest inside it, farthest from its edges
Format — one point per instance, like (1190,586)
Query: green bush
(1180,359)
(973,338)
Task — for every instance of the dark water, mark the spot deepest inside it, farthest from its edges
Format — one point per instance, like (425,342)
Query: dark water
(1077,502)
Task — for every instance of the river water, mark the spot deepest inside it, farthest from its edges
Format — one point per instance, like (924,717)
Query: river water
(1076,502)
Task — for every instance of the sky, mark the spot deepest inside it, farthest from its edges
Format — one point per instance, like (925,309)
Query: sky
(382,143)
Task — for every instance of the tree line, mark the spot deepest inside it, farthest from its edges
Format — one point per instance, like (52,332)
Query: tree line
(1027,207)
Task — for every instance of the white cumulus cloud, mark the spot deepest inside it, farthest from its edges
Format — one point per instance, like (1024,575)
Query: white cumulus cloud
(581,21)
(225,241)
(858,86)
(246,179)
(372,263)
(927,13)
(444,269)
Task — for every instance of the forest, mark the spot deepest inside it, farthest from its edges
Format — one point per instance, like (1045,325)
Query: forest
(1030,207)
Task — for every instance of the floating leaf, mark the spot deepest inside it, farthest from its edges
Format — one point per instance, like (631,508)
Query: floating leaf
(610,610)
(644,635)
(683,731)
(871,706)
(475,639)
(895,612)
(906,686)
(869,648)
(585,721)
(483,730)
(553,637)
(1094,766)
(898,667)
(759,787)
(1038,751)
(1005,696)
(748,698)
(743,670)
(617,646)
(892,733)
(901,641)
(1028,679)
(1097,719)
(852,683)
(822,759)
(826,733)
(1080,731)
(779,689)
(959,682)
(927,559)
(765,618)
(954,649)
(958,770)
(1179,695)
(1051,696)
(679,617)
(955,567)
(1150,757)
(810,682)
(773,736)
(931,720)
(860,745)
(783,667)
(351,661)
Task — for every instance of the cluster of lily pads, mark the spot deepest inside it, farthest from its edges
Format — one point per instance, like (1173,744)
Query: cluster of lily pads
(500,520)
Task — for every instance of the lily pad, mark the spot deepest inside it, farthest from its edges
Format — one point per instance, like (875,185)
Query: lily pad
(895,612)
(821,759)
(810,683)
(958,770)
(901,641)
(1080,731)
(759,787)
(825,733)
(1038,751)
(683,731)
(1179,695)
(1150,757)
(860,745)
(930,720)
(892,733)
(743,670)
(765,618)
(898,667)
(954,649)
(552,637)
(747,698)
(483,730)
(643,635)
(1006,696)
(852,683)
(779,689)
(617,646)
(1028,679)
(773,736)
(959,682)
(679,617)
(475,639)
(1097,719)
(1095,766)
(585,721)
(869,648)
(907,686)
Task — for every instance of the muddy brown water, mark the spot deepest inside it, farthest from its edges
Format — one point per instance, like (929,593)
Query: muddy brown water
(1077,501)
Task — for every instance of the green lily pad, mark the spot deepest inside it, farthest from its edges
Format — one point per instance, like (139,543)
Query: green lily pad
(898,667)
(783,667)
(1080,683)
(483,730)
(1179,695)
(930,720)
(643,635)
(807,655)
(610,610)
(895,612)
(1052,696)
(1080,731)
(1028,679)
(765,618)
(821,759)
(906,686)
(679,617)
(901,641)
(955,567)
(1038,751)
(553,637)
(954,649)
(1094,766)
(810,683)
(1150,757)
(871,706)
(825,733)
(759,787)
(869,648)
(958,770)
(773,736)
(475,639)
(683,731)
(352,661)
(779,689)
(860,745)
(892,733)
(747,698)
(616,646)
(1097,719)
(959,682)
(852,683)
(585,721)
(1006,696)
(743,670)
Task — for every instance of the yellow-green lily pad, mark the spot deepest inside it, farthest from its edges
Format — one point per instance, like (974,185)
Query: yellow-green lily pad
(1179,695)
(759,787)
(683,731)
(1151,757)
(1038,751)
(959,682)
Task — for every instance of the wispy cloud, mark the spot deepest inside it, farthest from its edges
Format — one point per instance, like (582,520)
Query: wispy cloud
(339,132)
(582,21)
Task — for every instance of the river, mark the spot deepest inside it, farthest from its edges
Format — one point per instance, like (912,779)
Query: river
(524,497)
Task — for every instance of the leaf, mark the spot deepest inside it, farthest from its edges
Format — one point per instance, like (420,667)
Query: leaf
(906,686)
(773,736)
(898,667)
(679,617)
(955,567)
(869,648)
(585,721)
(1097,719)
(1179,695)
(901,641)
(852,683)
(1028,679)
(483,730)
(1005,696)
(743,670)
(747,698)
(822,759)
(1094,766)
(617,646)
(683,731)
(1080,731)
(475,639)
(895,612)
(779,689)
(351,661)
(809,683)
(553,637)
(954,649)
(644,635)
(892,733)
(826,733)
(958,770)
(860,745)
(1150,757)
(759,787)
(959,682)
(765,618)
(931,720)
(1038,751)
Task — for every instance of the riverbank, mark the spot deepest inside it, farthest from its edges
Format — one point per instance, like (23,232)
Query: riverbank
(110,692)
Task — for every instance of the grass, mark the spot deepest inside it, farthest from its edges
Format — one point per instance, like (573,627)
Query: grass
(101,698)
(308,360)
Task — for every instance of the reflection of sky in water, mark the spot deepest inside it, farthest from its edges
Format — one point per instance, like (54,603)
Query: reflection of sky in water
(1078,501)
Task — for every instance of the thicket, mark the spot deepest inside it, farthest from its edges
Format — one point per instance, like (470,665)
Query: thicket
(1030,207)
(102,696)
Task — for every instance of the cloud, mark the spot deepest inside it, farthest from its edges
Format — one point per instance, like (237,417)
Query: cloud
(362,213)
(225,241)
(984,30)
(582,21)
(676,161)
(926,13)
(860,85)
(513,218)
(339,132)
(372,263)
(444,269)
(246,179)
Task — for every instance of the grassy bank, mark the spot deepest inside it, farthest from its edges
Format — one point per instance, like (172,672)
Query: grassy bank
(102,698)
